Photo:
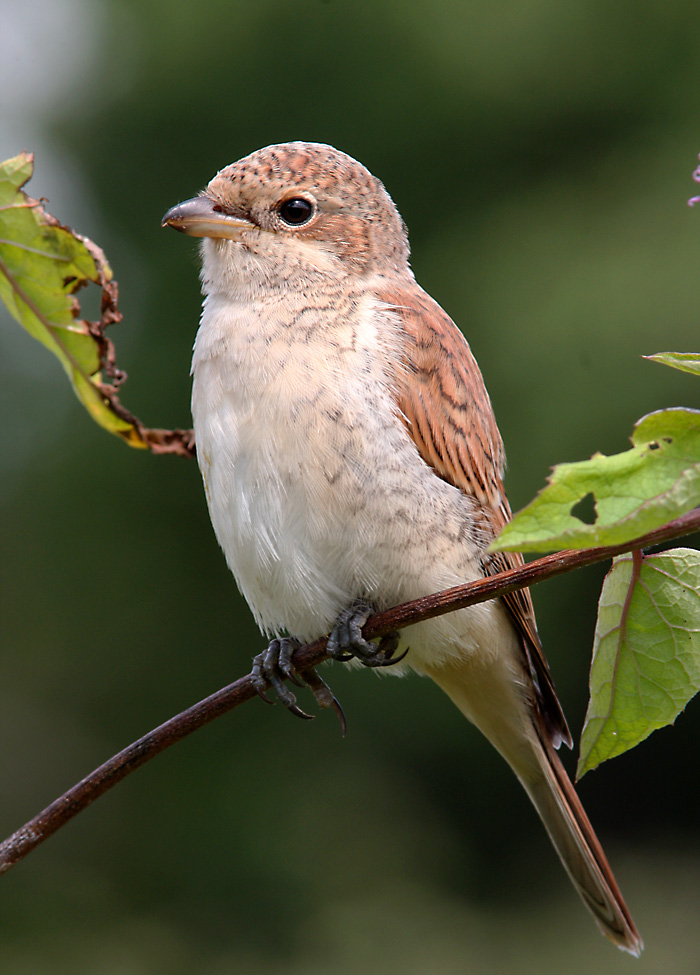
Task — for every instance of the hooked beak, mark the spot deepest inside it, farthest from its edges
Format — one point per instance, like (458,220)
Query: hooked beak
(204,217)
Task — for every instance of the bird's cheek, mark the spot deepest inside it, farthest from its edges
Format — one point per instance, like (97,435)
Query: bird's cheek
(347,237)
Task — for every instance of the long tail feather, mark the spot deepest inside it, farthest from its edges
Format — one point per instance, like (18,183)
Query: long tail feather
(580,851)
(491,699)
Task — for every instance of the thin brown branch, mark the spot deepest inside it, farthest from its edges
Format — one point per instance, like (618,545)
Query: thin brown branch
(103,778)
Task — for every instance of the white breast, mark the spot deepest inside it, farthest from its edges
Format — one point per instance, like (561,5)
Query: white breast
(316,492)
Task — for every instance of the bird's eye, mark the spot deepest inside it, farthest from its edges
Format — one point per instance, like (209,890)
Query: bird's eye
(296,211)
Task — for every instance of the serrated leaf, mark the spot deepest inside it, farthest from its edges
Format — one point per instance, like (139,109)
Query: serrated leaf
(42,265)
(629,494)
(646,652)
(685,361)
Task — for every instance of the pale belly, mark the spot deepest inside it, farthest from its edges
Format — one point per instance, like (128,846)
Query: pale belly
(318,495)
(315,507)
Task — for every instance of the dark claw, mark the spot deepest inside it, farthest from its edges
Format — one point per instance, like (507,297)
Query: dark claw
(295,709)
(269,670)
(325,697)
(387,646)
(287,697)
(390,661)
(347,642)
(262,695)
(275,664)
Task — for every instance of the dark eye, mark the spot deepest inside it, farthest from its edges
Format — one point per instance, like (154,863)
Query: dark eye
(296,211)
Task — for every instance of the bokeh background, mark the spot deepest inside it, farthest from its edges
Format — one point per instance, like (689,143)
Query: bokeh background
(541,154)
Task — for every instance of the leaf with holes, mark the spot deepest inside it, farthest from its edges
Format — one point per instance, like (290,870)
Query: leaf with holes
(42,266)
(612,500)
(646,652)
(685,361)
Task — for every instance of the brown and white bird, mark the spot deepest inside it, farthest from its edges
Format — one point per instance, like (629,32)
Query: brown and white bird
(352,461)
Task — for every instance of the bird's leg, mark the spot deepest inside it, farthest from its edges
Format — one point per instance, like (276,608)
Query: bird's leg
(275,665)
(346,640)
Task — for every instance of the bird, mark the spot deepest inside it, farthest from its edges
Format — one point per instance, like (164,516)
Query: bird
(351,462)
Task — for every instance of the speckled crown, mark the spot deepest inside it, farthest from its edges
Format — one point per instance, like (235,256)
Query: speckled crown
(324,171)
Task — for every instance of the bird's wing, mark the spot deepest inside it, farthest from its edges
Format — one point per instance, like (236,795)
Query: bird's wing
(443,402)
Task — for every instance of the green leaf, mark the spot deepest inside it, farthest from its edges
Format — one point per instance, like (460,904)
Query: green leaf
(42,265)
(646,652)
(628,494)
(685,361)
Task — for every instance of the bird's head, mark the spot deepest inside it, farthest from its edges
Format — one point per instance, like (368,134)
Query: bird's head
(293,211)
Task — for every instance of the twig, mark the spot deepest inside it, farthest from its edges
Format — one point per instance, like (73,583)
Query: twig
(103,778)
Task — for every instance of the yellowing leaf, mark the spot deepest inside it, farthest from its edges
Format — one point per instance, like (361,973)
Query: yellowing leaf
(42,266)
(646,653)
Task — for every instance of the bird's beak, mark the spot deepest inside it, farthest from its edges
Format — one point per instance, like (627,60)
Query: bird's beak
(204,217)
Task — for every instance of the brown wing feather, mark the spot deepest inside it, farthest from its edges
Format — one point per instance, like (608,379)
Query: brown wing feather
(443,401)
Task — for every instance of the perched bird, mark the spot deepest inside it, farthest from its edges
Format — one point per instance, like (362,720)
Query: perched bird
(352,462)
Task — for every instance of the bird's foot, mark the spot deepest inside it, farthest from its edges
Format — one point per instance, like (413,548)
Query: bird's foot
(347,642)
(274,666)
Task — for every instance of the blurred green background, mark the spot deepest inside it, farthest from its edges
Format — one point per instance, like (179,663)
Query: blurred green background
(541,154)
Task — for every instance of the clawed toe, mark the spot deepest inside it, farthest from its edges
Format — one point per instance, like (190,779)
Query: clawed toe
(275,665)
(347,642)
(325,698)
(271,668)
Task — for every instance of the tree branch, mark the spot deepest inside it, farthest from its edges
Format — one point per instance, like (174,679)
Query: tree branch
(34,832)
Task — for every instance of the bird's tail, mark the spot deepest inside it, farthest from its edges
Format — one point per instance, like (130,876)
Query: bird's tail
(574,839)
(529,752)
